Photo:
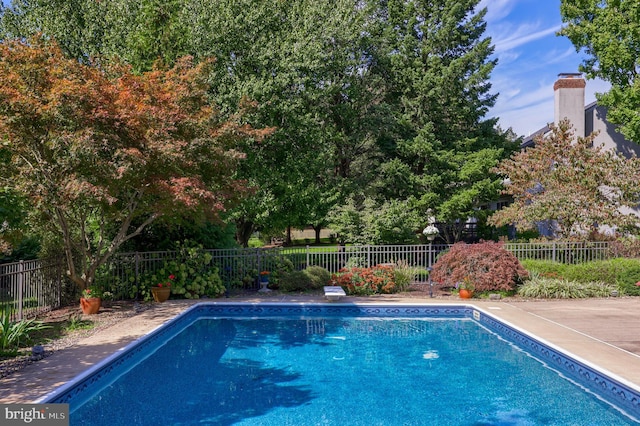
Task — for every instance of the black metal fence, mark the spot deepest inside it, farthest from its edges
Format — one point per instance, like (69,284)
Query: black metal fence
(31,287)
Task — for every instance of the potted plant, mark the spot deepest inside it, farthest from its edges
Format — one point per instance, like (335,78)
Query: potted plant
(162,290)
(465,288)
(90,300)
(431,232)
(264,281)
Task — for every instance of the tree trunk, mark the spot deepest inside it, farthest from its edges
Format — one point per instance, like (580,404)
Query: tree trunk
(317,230)
(244,230)
(288,239)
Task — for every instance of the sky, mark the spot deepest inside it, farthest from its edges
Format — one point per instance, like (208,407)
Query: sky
(530,57)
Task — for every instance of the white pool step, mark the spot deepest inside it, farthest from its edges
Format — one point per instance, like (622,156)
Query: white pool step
(333,292)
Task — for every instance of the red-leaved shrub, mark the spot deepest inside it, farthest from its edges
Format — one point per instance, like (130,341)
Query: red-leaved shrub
(366,281)
(487,264)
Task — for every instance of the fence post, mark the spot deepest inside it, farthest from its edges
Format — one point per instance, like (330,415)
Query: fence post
(308,256)
(369,256)
(20,289)
(553,251)
(136,271)
(258,261)
(60,273)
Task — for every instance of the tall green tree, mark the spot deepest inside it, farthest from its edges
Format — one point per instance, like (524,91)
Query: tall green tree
(384,101)
(441,63)
(609,33)
(311,84)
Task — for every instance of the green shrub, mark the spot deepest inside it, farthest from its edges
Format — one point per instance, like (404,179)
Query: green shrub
(625,273)
(318,276)
(601,270)
(555,288)
(294,281)
(193,276)
(545,268)
(14,332)
(278,265)
(488,265)
(311,278)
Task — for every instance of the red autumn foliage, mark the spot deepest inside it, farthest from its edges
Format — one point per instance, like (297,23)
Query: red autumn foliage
(97,148)
(366,281)
(487,264)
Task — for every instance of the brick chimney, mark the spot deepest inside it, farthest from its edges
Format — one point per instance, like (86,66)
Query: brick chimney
(569,100)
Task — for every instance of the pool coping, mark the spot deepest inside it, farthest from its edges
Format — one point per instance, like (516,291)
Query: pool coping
(593,377)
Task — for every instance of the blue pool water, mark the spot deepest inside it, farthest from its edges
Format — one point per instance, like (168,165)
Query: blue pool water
(333,369)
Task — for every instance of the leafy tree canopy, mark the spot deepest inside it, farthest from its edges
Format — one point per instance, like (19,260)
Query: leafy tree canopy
(609,33)
(385,99)
(573,185)
(93,148)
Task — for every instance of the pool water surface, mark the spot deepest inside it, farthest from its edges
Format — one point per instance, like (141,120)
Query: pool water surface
(334,369)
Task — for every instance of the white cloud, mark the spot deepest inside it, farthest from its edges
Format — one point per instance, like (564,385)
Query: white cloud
(530,57)
(518,39)
(521,99)
(559,55)
(496,9)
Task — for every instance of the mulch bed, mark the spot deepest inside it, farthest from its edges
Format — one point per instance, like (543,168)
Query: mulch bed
(107,317)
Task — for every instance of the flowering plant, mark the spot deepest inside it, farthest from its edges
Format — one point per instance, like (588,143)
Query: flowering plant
(430,230)
(168,283)
(378,279)
(90,292)
(465,284)
(263,273)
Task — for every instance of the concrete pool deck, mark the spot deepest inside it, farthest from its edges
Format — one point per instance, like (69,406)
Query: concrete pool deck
(602,332)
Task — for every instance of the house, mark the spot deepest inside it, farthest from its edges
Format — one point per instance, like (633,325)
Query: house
(569,103)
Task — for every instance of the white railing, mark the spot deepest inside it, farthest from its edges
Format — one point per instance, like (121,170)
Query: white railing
(562,252)
(30,287)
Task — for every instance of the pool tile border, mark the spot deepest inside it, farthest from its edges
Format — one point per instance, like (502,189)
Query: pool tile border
(601,384)
(612,390)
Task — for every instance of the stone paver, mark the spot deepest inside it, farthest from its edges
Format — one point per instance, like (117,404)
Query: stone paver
(602,332)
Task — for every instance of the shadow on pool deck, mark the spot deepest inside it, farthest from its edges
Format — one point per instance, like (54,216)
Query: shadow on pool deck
(602,332)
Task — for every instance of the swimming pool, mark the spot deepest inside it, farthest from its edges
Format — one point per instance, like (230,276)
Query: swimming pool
(345,364)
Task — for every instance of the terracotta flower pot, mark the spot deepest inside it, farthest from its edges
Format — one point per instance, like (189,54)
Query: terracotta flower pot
(90,306)
(465,294)
(160,294)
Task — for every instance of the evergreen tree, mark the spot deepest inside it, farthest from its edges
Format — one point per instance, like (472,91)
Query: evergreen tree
(440,66)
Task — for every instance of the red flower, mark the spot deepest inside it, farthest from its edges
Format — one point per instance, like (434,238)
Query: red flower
(168,283)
